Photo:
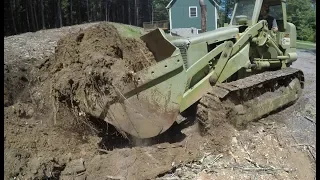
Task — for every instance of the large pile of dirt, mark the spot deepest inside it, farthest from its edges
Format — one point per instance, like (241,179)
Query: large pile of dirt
(43,99)
(46,138)
(90,67)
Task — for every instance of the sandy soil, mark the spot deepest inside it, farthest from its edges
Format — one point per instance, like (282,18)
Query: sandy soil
(37,145)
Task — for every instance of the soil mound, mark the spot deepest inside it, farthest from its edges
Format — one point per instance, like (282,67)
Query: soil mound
(44,99)
(16,78)
(90,67)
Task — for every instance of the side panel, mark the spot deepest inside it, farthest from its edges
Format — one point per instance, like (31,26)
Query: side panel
(238,61)
(196,51)
(180,15)
(292,51)
(291,30)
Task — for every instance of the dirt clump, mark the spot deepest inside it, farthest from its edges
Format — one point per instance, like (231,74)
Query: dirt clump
(214,122)
(16,78)
(91,67)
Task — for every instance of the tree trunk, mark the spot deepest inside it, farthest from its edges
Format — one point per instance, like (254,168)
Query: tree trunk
(71,14)
(203,15)
(54,23)
(152,10)
(118,15)
(88,11)
(136,12)
(32,16)
(106,9)
(114,13)
(12,16)
(27,14)
(79,13)
(119,12)
(28,17)
(20,22)
(42,14)
(93,12)
(123,13)
(47,17)
(17,16)
(101,10)
(138,16)
(129,12)
(59,13)
(35,15)
(109,13)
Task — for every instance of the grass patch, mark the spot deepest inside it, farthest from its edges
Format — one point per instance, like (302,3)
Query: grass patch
(305,45)
(128,31)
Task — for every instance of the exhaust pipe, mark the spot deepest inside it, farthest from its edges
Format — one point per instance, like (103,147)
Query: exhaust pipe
(203,15)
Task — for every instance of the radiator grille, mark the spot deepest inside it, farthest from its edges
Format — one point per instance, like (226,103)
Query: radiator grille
(183,51)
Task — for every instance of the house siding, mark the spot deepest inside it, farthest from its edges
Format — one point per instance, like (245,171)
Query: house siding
(180,15)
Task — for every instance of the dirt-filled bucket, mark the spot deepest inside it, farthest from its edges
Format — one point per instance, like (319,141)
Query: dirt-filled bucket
(98,72)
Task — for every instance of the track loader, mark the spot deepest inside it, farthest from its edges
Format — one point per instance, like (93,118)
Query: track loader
(245,65)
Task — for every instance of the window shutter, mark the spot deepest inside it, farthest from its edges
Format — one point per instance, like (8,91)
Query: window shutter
(193,11)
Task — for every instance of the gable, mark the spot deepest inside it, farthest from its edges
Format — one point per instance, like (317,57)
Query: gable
(187,13)
(172,2)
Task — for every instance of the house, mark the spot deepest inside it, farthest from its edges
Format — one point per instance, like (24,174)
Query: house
(185,16)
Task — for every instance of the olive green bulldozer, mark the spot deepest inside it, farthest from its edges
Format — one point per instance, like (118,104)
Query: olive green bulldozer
(243,64)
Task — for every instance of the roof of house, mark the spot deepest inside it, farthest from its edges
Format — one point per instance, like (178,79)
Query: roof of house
(171,3)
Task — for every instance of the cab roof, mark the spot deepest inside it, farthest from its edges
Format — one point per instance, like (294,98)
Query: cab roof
(273,2)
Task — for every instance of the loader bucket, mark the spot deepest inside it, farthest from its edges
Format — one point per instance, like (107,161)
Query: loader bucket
(158,44)
(152,106)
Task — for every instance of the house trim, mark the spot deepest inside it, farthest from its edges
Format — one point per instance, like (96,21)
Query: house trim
(170,19)
(170,4)
(216,16)
(190,11)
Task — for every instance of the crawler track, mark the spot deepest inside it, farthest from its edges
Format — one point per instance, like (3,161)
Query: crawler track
(250,98)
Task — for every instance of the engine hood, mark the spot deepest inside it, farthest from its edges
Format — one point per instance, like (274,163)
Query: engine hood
(220,34)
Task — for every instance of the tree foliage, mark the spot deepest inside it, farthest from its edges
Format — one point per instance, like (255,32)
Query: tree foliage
(31,15)
(159,10)
(302,14)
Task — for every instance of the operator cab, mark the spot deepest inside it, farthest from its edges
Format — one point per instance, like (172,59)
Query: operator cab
(246,13)
(277,11)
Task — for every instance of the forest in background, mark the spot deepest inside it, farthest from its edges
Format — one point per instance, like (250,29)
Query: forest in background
(22,16)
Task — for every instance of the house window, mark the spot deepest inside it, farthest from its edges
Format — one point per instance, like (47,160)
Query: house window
(199,31)
(193,11)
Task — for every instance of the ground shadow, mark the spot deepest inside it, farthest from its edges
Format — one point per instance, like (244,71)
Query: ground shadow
(113,139)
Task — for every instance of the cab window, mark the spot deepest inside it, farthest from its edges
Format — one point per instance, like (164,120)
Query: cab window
(276,12)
